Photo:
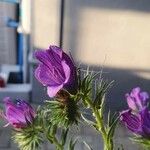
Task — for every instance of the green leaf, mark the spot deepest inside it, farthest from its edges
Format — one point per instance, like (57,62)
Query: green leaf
(142,141)
(72,144)
(112,127)
(27,139)
(111,118)
(64,136)
(62,114)
(101,90)
(89,122)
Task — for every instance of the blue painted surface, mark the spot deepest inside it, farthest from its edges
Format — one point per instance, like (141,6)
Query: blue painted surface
(15,24)
(10,1)
(12,23)
(20,57)
(20,49)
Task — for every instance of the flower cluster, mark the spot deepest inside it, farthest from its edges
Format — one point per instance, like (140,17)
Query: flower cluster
(74,96)
(137,117)
(57,71)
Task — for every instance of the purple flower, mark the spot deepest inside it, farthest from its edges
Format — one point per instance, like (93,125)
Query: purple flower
(56,70)
(137,123)
(137,99)
(145,119)
(18,115)
(131,121)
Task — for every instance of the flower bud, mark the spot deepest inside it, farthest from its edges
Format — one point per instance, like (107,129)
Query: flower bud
(18,115)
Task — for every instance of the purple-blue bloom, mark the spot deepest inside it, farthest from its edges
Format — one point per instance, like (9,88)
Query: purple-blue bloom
(137,117)
(137,123)
(56,70)
(137,99)
(131,121)
(18,115)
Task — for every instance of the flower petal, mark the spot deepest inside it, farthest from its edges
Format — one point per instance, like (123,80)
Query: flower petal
(71,84)
(45,76)
(14,115)
(131,102)
(43,57)
(131,121)
(52,90)
(56,50)
(144,95)
(145,117)
(66,71)
(137,100)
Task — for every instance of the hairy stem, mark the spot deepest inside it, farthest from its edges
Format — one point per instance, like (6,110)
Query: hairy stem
(98,114)
(58,145)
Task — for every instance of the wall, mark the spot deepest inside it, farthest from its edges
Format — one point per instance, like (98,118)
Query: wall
(45,31)
(45,22)
(7,35)
(113,35)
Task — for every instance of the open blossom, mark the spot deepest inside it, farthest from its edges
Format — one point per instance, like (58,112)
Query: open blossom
(130,120)
(137,99)
(137,123)
(18,115)
(56,70)
(137,117)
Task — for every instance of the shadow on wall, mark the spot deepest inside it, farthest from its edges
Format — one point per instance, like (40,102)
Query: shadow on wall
(133,5)
(124,81)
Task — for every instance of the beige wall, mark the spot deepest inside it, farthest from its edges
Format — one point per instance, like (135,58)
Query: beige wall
(115,34)
(45,22)
(100,32)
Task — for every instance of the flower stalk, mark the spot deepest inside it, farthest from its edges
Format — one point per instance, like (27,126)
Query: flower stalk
(57,144)
(100,125)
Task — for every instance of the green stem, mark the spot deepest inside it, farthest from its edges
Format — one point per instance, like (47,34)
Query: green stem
(108,145)
(98,114)
(58,145)
(52,138)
